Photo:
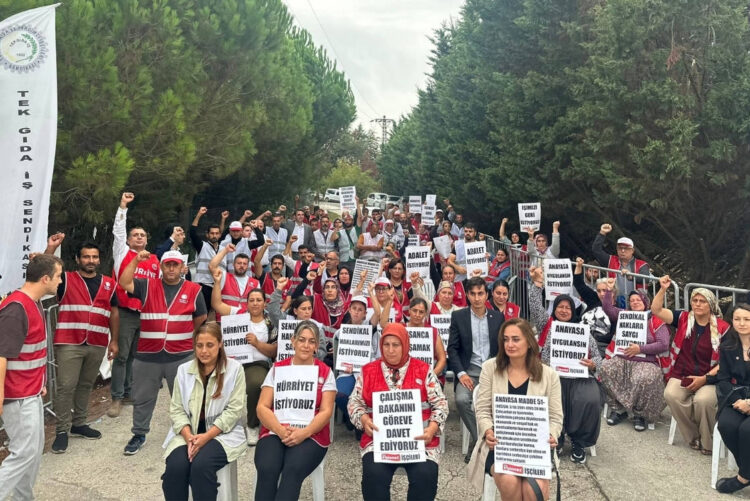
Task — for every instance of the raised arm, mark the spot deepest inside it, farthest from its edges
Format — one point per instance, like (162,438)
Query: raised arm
(218,260)
(119,228)
(555,247)
(598,246)
(126,279)
(657,305)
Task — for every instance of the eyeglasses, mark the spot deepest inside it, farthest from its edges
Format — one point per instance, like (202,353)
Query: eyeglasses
(381,288)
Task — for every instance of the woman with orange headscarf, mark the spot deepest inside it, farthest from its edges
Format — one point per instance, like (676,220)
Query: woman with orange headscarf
(396,370)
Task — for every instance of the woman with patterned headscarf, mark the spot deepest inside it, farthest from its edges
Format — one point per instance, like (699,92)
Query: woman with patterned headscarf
(694,357)
(633,380)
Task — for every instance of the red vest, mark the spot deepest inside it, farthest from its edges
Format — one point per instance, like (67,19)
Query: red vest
(145,269)
(26,374)
(414,379)
(679,338)
(233,296)
(495,270)
(614,264)
(320,314)
(511,309)
(459,295)
(168,327)
(323,437)
(81,319)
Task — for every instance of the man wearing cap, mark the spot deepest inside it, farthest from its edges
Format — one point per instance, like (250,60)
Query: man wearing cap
(391,235)
(242,245)
(172,308)
(623,261)
(472,341)
(125,247)
(304,233)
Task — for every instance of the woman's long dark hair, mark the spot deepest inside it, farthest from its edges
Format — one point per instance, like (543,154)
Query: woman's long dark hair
(221,361)
(533,362)
(731,340)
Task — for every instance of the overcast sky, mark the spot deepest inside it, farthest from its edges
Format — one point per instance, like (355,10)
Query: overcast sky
(382,46)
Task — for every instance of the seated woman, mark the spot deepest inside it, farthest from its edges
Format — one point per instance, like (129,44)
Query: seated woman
(419,319)
(208,401)
(734,410)
(396,370)
(293,452)
(357,315)
(581,398)
(394,272)
(499,294)
(262,339)
(459,293)
(635,384)
(694,357)
(516,370)
(499,267)
(329,307)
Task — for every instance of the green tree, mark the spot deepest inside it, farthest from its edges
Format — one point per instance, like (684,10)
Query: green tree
(350,174)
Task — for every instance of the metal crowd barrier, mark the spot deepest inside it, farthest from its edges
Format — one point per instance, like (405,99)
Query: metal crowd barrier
(718,290)
(50,317)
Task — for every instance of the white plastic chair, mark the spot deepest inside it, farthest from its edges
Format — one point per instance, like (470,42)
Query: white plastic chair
(719,451)
(227,478)
(672,430)
(316,477)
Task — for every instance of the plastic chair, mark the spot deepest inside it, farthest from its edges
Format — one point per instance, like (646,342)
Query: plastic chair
(316,477)
(227,478)
(672,430)
(719,451)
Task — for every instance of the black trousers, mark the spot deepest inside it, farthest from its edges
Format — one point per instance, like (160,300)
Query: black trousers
(377,478)
(735,432)
(273,459)
(200,475)
(582,410)
(207,290)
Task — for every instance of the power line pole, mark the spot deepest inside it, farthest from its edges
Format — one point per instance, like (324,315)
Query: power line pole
(384,127)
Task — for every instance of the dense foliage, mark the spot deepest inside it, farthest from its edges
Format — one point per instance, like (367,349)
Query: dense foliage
(632,112)
(223,103)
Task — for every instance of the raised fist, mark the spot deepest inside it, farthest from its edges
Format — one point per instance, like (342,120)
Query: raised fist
(126,198)
(606,228)
(311,275)
(555,226)
(293,238)
(143,255)
(217,275)
(665,282)
(281,283)
(269,242)
(505,220)
(224,214)
(55,240)
(248,213)
(202,211)
(282,208)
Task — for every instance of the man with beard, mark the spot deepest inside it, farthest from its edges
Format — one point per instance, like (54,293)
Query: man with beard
(267,279)
(235,285)
(88,313)
(205,250)
(458,257)
(323,236)
(242,244)
(278,237)
(345,235)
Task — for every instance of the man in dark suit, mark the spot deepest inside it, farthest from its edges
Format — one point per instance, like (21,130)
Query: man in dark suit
(473,339)
(303,231)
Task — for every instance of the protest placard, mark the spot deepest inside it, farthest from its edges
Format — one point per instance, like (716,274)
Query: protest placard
(428,215)
(285,333)
(415,204)
(294,393)
(632,327)
(443,245)
(558,278)
(443,325)
(347,199)
(529,216)
(355,347)
(413,240)
(421,345)
(234,328)
(522,433)
(476,257)
(418,259)
(398,416)
(569,343)
(372,268)
(430,199)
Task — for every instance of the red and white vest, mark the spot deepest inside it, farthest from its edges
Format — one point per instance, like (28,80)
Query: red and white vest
(25,375)
(323,437)
(81,319)
(320,314)
(614,264)
(511,309)
(145,269)
(414,379)
(233,296)
(167,327)
(679,338)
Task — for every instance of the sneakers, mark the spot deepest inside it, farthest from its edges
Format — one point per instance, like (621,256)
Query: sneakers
(578,454)
(615,418)
(639,423)
(115,408)
(86,432)
(60,444)
(135,444)
(252,435)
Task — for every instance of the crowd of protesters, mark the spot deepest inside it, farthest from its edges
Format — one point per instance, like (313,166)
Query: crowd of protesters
(156,321)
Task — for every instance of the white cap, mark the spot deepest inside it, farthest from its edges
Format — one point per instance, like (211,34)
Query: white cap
(172,255)
(625,241)
(361,299)
(235,225)
(383,281)
(389,221)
